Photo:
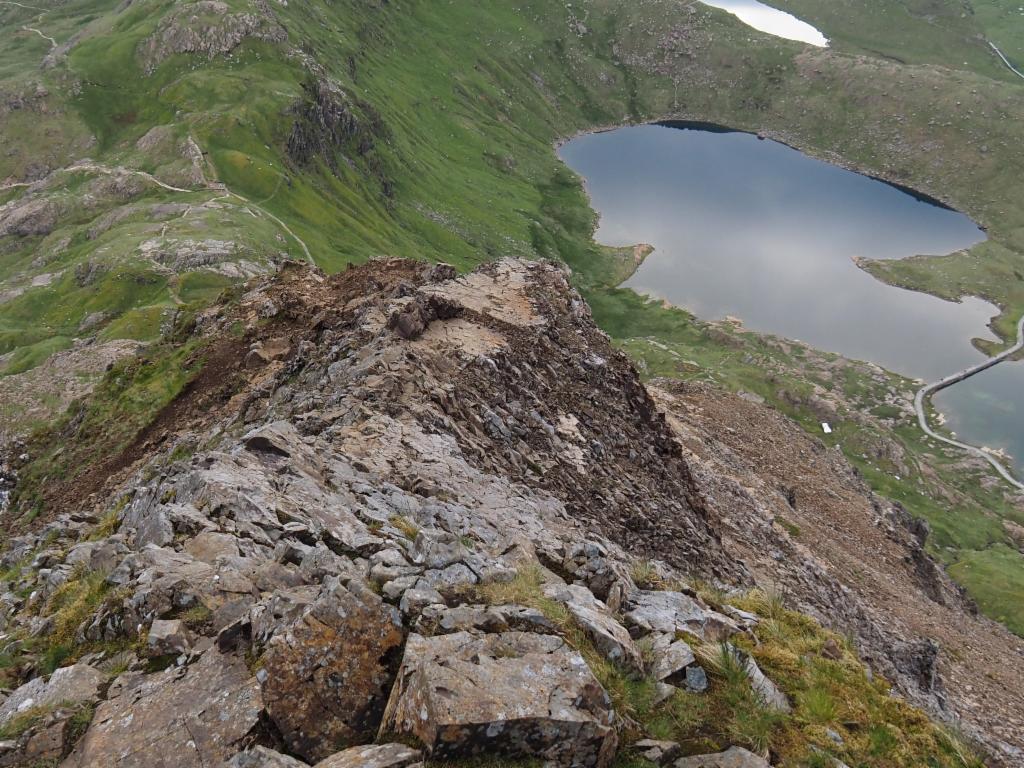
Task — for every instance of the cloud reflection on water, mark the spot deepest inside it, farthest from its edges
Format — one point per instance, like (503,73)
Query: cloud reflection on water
(759,231)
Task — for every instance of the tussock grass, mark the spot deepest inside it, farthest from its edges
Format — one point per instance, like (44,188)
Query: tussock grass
(878,731)
(405,525)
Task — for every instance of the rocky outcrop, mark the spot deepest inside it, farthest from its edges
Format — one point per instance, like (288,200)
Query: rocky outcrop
(333,128)
(209,28)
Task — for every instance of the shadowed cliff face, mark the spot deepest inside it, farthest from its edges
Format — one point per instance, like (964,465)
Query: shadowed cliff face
(397,490)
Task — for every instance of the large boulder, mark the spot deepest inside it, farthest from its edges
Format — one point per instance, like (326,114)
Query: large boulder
(189,717)
(512,693)
(326,677)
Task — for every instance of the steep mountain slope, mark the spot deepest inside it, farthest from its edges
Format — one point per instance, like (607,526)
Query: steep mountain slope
(155,153)
(357,468)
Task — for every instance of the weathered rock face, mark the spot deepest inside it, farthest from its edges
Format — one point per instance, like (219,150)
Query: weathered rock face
(512,693)
(379,454)
(190,717)
(327,676)
(676,612)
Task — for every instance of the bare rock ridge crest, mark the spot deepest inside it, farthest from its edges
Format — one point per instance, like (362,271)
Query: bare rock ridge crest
(407,515)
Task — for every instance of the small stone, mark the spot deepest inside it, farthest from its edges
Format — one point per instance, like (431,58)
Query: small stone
(696,679)
(663,692)
(658,752)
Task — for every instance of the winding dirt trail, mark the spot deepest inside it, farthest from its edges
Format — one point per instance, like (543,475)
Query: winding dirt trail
(930,389)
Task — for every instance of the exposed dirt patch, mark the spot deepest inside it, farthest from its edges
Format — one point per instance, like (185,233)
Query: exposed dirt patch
(797,513)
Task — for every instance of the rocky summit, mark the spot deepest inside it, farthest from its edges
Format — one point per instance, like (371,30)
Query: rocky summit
(402,515)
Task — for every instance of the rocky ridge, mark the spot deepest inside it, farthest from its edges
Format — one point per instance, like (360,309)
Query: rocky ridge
(323,543)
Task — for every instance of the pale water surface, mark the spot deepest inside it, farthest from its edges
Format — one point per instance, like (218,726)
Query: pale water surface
(771,20)
(758,231)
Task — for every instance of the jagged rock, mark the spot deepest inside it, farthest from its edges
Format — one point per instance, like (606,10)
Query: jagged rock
(608,636)
(765,688)
(419,597)
(734,757)
(513,693)
(189,717)
(66,686)
(670,656)
(373,756)
(658,752)
(168,637)
(261,757)
(439,619)
(206,27)
(676,612)
(328,674)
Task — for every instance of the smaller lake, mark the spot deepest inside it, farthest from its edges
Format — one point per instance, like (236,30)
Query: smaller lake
(771,20)
(759,231)
(985,409)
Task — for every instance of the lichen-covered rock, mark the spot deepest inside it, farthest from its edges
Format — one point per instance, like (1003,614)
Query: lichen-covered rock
(189,717)
(676,612)
(373,756)
(514,694)
(66,686)
(734,757)
(261,757)
(326,677)
(609,637)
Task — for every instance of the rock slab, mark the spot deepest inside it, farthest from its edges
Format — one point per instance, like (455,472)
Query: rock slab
(327,675)
(190,717)
(515,694)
